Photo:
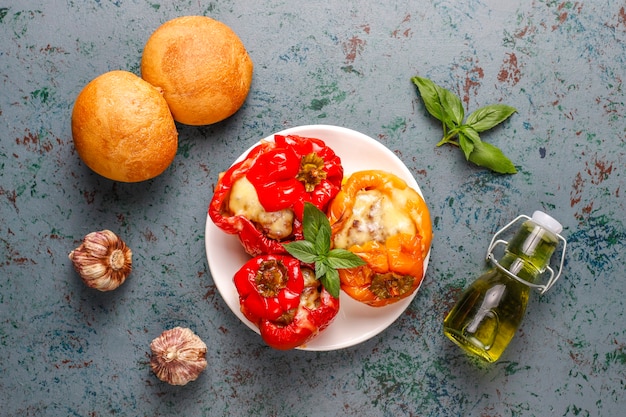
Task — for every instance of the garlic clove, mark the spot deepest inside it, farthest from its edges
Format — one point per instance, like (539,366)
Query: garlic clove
(178,356)
(103,260)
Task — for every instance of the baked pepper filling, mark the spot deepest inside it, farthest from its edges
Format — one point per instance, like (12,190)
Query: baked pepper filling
(244,201)
(375,216)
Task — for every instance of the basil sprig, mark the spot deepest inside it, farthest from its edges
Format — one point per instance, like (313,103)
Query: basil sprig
(446,107)
(315,249)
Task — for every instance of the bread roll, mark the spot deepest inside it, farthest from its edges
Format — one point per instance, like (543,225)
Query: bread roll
(123,129)
(202,67)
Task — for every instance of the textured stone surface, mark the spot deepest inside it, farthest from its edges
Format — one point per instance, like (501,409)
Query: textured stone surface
(67,350)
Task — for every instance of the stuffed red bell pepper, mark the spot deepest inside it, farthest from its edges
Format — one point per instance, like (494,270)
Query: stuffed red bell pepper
(283,298)
(261,198)
(378,217)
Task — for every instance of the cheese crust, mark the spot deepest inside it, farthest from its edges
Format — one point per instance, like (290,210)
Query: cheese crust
(244,201)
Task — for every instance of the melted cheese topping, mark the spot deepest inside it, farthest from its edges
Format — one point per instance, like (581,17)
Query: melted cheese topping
(310,296)
(375,217)
(244,201)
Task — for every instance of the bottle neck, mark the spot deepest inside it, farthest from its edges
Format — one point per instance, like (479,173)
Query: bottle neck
(520,267)
(529,252)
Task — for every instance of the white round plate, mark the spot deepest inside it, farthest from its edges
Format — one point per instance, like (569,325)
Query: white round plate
(355,322)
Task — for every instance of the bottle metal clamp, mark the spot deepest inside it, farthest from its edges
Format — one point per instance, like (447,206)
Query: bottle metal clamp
(542,288)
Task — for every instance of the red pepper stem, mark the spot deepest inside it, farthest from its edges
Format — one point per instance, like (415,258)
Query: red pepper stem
(311,171)
(271,277)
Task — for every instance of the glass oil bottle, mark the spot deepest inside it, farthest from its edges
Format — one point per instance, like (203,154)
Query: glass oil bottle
(490,310)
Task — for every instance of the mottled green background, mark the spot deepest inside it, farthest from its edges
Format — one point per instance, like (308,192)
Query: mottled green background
(70,351)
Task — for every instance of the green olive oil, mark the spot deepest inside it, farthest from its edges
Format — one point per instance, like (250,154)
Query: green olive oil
(489,311)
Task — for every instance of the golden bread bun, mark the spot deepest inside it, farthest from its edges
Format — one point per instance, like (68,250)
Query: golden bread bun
(202,67)
(123,128)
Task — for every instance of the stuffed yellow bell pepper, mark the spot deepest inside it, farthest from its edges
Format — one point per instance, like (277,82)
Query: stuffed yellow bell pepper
(378,217)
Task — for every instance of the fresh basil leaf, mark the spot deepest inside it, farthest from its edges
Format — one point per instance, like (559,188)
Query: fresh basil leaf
(467,137)
(466,144)
(322,240)
(331,282)
(489,116)
(315,219)
(321,269)
(453,107)
(471,133)
(303,250)
(341,259)
(430,95)
(442,104)
(488,156)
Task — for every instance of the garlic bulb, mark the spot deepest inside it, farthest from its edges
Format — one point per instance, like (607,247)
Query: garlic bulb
(178,356)
(103,260)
